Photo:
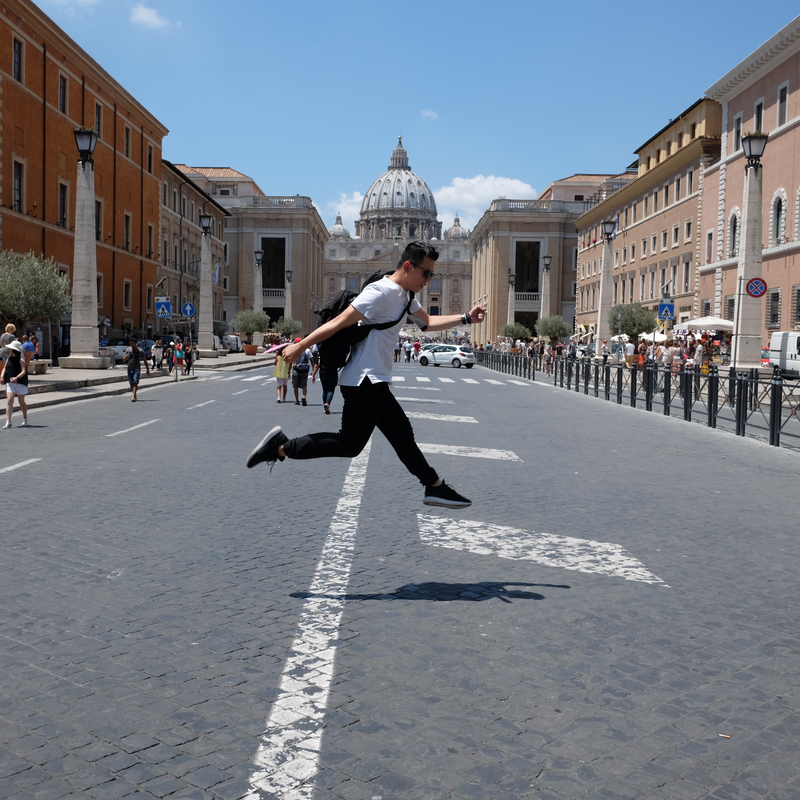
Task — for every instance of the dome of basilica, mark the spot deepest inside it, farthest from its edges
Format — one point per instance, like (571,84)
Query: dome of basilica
(338,230)
(456,232)
(398,204)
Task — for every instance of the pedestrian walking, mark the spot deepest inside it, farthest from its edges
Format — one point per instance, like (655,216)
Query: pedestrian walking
(281,375)
(134,358)
(301,369)
(548,360)
(408,347)
(365,378)
(28,349)
(157,354)
(179,355)
(55,346)
(15,376)
(397,350)
(329,379)
(187,360)
(604,351)
(6,339)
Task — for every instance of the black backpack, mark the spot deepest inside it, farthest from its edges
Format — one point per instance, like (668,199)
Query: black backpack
(335,351)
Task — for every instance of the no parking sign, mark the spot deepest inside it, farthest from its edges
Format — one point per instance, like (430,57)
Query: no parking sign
(756,287)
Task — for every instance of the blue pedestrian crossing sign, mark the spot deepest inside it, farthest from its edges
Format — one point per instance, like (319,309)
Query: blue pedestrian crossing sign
(666,311)
(163,308)
(188,310)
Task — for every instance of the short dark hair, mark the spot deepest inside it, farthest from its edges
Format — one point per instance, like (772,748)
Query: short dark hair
(416,251)
(132,340)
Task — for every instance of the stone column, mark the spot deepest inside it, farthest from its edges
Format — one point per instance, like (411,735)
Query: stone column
(511,304)
(749,316)
(544,297)
(84,333)
(606,293)
(205,316)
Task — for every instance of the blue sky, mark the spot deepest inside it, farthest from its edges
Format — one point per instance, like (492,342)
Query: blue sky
(492,99)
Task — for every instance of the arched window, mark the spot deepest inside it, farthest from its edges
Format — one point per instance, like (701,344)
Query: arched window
(353,284)
(455,285)
(435,285)
(734,232)
(777,221)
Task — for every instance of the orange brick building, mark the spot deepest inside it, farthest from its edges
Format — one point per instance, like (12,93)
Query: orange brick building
(48,87)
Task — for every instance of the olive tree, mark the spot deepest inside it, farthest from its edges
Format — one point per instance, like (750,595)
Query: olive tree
(31,289)
(552,328)
(248,321)
(516,331)
(288,327)
(632,319)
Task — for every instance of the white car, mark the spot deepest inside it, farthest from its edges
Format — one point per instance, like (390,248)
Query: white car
(453,354)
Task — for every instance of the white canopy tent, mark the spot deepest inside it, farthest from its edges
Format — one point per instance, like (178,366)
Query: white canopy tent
(705,324)
(660,337)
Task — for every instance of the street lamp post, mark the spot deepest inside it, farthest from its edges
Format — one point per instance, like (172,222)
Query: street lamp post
(84,336)
(287,311)
(205,320)
(258,283)
(512,279)
(544,305)
(749,310)
(606,293)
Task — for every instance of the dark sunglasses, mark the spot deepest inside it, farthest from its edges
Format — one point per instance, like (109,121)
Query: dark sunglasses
(426,273)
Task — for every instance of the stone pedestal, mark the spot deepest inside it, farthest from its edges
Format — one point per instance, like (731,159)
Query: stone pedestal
(84,341)
(544,304)
(205,317)
(511,305)
(749,316)
(208,353)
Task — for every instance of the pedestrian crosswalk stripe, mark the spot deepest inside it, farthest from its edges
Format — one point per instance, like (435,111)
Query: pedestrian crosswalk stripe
(397,378)
(426,400)
(420,388)
(469,452)
(446,380)
(200,405)
(439,417)
(496,383)
(520,383)
(469,380)
(422,379)
(257,378)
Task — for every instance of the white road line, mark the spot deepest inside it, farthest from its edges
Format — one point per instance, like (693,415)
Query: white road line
(446,380)
(580,555)
(422,379)
(200,405)
(421,389)
(469,380)
(469,452)
(520,383)
(496,383)
(426,400)
(135,427)
(289,750)
(242,392)
(397,379)
(21,464)
(439,417)
(257,378)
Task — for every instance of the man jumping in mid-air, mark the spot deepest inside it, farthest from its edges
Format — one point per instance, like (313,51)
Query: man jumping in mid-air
(366,378)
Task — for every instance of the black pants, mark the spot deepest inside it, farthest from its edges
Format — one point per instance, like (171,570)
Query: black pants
(366,407)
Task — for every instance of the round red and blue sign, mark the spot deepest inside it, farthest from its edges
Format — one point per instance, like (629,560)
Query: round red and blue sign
(756,287)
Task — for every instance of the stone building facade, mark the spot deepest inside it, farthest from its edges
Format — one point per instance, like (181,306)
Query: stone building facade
(760,93)
(291,235)
(182,202)
(657,238)
(50,87)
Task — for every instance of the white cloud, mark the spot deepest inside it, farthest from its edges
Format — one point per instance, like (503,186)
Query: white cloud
(149,17)
(470,197)
(349,206)
(428,114)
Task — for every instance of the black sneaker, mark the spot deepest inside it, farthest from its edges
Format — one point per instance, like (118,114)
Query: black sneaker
(267,449)
(303,401)
(444,495)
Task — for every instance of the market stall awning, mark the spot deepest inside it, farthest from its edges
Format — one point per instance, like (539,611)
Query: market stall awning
(706,324)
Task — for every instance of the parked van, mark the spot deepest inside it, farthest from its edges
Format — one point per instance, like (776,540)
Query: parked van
(234,343)
(784,352)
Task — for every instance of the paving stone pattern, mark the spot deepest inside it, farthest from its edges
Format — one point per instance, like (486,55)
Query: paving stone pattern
(150,589)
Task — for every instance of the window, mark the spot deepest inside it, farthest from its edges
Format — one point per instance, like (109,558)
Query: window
(677,189)
(164,252)
(175,200)
(783,92)
(733,236)
(225,282)
(669,146)
(773,309)
(645,206)
(666,195)
(676,235)
(758,116)
(633,251)
(623,291)
(62,94)
(126,295)
(658,156)
(624,255)
(126,232)
(687,230)
(648,162)
(642,283)
(578,198)
(644,248)
(616,290)
(150,158)
(98,119)
(664,285)
(183,205)
(709,247)
(730,307)
(16,66)
(674,278)
(680,140)
(693,134)
(737,133)
(634,215)
(126,142)
(98,220)
(149,298)
(175,262)
(18,187)
(616,258)
(63,200)
(778,222)
(99,291)
(652,284)
(664,240)
(690,181)
(654,243)
(626,217)
(686,271)
(149,241)
(795,305)
(655,201)
(705,308)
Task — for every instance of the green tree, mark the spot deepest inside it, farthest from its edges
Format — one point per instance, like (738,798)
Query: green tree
(249,321)
(634,319)
(288,327)
(516,331)
(552,328)
(31,289)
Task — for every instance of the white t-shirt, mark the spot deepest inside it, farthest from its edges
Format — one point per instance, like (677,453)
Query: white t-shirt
(629,349)
(382,301)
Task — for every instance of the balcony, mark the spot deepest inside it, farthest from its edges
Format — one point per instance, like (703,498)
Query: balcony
(526,297)
(274,293)
(533,206)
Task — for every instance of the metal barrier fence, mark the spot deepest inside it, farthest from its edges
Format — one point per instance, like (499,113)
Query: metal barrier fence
(745,403)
